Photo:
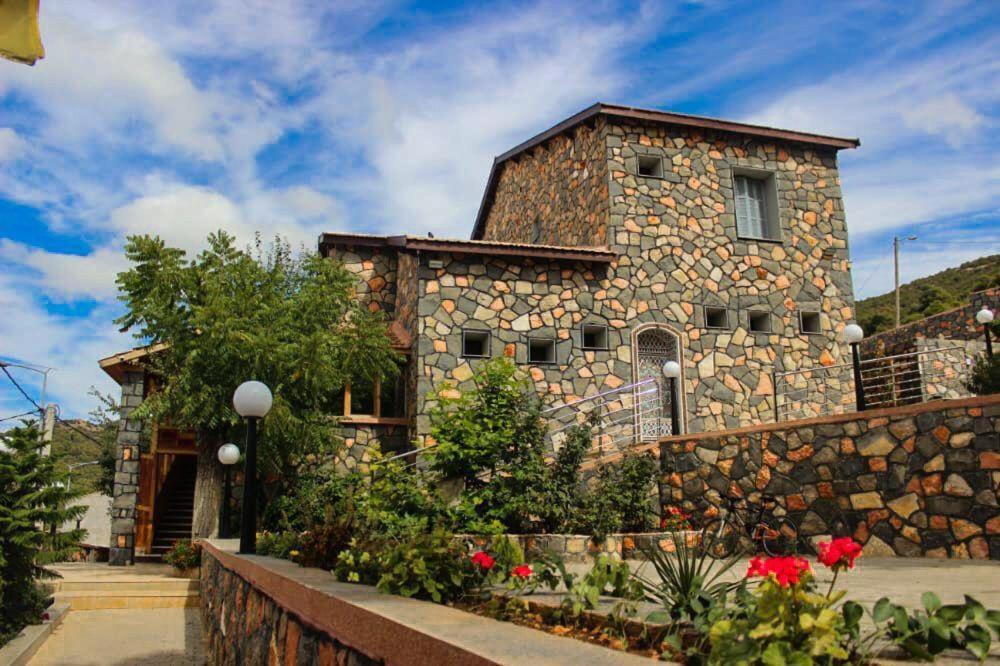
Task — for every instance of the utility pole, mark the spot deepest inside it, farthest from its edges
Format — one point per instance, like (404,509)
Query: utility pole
(896,242)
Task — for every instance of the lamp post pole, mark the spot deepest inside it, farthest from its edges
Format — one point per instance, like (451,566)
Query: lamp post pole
(853,335)
(985,317)
(672,370)
(252,401)
(229,455)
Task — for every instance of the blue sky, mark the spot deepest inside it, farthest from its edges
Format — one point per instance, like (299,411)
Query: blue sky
(298,117)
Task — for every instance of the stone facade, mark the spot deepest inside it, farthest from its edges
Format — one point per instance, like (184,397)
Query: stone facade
(244,626)
(675,252)
(916,480)
(126,483)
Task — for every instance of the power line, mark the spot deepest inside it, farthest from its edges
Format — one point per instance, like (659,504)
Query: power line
(17,416)
(3,366)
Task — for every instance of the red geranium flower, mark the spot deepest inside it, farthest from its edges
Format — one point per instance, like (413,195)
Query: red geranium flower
(522,571)
(839,552)
(786,570)
(482,559)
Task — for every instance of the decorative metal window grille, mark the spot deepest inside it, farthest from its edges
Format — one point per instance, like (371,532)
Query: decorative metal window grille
(654,348)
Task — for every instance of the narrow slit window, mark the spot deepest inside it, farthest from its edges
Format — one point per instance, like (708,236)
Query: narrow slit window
(650,166)
(716,317)
(541,350)
(809,322)
(475,344)
(595,336)
(760,322)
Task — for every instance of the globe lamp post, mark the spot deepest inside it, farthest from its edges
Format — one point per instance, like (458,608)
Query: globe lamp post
(853,335)
(252,401)
(229,455)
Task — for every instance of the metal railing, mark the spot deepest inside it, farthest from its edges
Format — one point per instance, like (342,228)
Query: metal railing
(887,381)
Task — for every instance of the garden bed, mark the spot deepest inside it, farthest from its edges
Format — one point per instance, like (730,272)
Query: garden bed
(582,548)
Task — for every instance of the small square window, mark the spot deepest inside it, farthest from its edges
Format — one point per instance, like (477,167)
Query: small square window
(650,166)
(716,317)
(595,336)
(475,344)
(541,350)
(760,322)
(809,322)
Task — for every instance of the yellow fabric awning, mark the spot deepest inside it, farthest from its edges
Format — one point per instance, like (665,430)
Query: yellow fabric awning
(20,39)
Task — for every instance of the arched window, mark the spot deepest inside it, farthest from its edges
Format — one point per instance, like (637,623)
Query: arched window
(654,347)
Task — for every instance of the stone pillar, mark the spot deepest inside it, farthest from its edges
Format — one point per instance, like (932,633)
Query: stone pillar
(126,488)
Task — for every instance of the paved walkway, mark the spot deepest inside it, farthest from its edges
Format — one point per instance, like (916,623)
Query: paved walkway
(153,637)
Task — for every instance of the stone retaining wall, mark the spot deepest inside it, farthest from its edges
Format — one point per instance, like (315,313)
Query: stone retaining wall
(915,480)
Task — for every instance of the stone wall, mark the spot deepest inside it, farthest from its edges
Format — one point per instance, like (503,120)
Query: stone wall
(556,194)
(243,626)
(126,483)
(376,273)
(916,480)
(958,324)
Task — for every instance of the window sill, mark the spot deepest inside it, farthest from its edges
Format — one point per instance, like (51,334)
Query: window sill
(752,239)
(375,420)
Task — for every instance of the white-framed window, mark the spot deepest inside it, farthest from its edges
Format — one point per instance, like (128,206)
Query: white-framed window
(475,344)
(541,351)
(594,336)
(756,202)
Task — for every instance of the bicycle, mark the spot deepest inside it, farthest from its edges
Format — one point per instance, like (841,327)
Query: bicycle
(776,535)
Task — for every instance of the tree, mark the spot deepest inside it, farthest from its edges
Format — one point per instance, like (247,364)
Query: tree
(228,316)
(984,378)
(33,496)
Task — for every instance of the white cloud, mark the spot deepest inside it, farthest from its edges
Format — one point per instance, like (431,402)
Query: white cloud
(67,276)
(11,145)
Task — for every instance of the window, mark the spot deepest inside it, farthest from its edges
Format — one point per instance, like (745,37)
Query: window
(760,322)
(364,399)
(541,350)
(650,166)
(716,317)
(475,344)
(809,322)
(756,207)
(595,336)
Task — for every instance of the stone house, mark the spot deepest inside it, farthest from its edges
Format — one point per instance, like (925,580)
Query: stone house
(616,240)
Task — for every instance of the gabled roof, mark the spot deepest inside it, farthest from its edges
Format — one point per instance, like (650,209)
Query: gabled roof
(117,364)
(649,116)
(489,248)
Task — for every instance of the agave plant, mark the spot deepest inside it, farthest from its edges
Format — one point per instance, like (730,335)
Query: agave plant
(689,581)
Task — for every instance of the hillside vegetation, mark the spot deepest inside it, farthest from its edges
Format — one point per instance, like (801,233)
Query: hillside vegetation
(930,295)
(70,447)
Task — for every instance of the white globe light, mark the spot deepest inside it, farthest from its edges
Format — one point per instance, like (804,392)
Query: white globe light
(672,369)
(853,333)
(984,316)
(229,454)
(252,399)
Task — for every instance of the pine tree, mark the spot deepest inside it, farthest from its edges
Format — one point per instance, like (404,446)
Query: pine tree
(33,499)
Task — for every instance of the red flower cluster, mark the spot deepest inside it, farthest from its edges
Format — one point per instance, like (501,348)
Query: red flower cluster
(786,570)
(522,571)
(484,561)
(839,552)
(675,519)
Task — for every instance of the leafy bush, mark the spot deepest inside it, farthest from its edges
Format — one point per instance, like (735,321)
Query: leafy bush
(429,566)
(984,378)
(281,544)
(307,501)
(929,632)
(183,554)
(619,499)
(33,497)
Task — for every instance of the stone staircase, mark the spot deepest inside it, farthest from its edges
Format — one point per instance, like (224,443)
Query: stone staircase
(95,586)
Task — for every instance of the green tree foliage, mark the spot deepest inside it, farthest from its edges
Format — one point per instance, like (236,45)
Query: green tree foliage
(228,316)
(985,376)
(936,293)
(33,497)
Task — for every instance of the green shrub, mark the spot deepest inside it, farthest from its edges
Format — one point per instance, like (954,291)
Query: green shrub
(619,500)
(306,502)
(183,554)
(984,378)
(281,544)
(428,566)
(33,497)
(927,633)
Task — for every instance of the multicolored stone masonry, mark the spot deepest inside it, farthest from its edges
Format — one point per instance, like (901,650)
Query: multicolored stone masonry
(126,482)
(677,261)
(242,625)
(920,480)
(956,325)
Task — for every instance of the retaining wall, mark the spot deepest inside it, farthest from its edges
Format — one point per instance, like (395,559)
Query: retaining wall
(919,480)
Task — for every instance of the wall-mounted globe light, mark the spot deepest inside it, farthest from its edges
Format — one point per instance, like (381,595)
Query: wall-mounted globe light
(252,399)
(229,454)
(985,317)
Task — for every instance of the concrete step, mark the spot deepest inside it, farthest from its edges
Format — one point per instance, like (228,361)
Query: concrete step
(121,599)
(163,584)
